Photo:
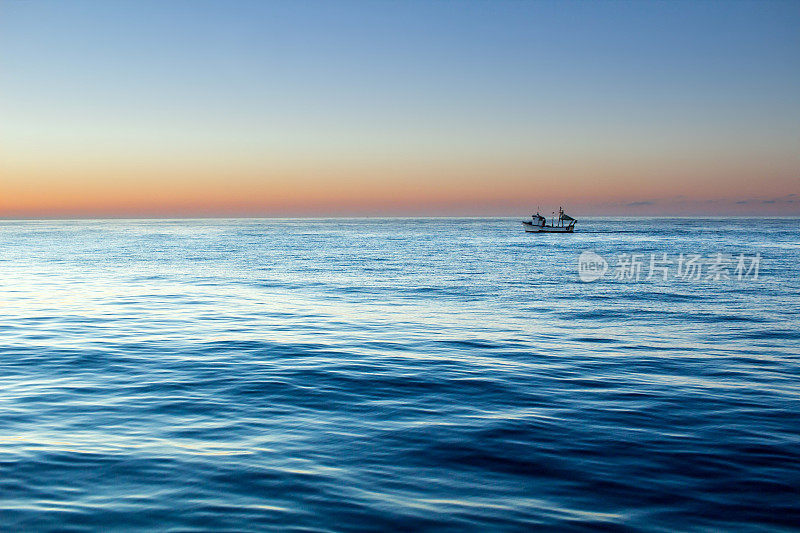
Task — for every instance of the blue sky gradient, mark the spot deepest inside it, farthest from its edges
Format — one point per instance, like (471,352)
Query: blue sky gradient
(654,101)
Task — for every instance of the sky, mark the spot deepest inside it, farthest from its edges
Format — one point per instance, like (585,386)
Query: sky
(453,108)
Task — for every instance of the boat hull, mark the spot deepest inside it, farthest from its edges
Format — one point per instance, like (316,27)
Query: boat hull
(531,228)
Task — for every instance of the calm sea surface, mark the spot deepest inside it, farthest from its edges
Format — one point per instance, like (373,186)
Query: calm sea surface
(397,374)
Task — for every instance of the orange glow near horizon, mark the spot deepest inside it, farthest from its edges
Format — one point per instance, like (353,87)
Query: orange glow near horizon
(479,188)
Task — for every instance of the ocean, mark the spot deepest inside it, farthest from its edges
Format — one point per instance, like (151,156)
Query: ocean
(399,374)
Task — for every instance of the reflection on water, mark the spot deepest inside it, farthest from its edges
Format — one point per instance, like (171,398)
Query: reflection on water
(392,374)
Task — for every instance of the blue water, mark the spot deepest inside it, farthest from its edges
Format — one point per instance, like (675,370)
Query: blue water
(394,374)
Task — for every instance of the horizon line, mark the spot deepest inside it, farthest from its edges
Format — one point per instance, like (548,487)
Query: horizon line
(373,217)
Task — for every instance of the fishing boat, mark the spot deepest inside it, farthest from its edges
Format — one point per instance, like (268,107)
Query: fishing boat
(538,224)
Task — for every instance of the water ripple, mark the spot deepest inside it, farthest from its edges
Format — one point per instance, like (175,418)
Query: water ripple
(401,374)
